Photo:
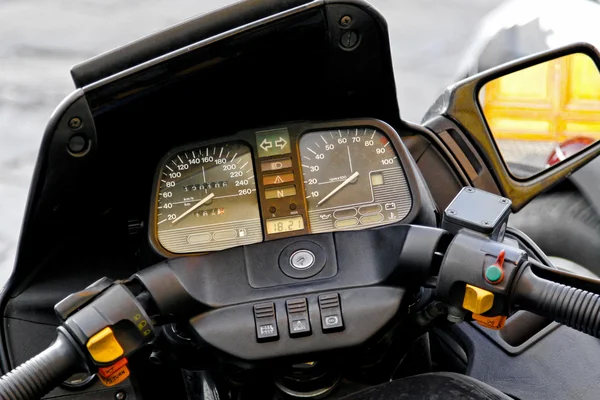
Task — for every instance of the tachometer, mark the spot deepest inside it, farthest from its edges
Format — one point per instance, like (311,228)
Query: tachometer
(352,179)
(206,199)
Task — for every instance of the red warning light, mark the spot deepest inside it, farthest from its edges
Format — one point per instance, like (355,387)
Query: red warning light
(220,211)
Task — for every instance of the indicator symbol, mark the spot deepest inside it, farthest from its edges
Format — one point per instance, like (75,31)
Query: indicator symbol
(281,142)
(276,165)
(267,329)
(331,320)
(278,179)
(242,232)
(266,145)
(280,194)
(390,206)
(325,216)
(220,211)
(299,325)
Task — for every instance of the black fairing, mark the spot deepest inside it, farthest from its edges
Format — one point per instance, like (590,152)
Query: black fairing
(86,215)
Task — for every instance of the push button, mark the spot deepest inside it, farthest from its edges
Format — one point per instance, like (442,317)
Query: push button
(103,346)
(331,312)
(477,300)
(298,320)
(266,322)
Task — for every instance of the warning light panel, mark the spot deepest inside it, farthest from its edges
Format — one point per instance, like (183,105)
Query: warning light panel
(276,179)
(276,165)
(280,192)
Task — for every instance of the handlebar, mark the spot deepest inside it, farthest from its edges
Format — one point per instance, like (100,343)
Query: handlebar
(108,321)
(36,377)
(571,306)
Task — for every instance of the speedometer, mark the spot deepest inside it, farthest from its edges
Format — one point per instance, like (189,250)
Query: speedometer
(352,180)
(206,199)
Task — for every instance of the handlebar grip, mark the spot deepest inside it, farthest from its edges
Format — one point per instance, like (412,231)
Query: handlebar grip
(576,308)
(36,377)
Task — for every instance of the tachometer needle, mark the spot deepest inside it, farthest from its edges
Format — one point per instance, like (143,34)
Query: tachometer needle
(201,202)
(340,187)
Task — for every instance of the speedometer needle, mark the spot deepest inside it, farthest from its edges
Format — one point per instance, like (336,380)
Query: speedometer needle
(203,201)
(340,187)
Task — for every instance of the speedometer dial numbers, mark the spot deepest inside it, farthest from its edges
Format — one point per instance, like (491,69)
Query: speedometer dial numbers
(207,200)
(352,179)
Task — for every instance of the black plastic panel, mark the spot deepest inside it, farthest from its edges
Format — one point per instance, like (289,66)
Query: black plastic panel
(365,312)
(221,279)
(564,365)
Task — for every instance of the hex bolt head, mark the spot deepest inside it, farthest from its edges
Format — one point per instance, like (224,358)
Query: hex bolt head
(452,212)
(120,395)
(470,190)
(503,200)
(486,223)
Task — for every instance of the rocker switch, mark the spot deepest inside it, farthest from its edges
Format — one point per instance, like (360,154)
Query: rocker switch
(298,320)
(266,322)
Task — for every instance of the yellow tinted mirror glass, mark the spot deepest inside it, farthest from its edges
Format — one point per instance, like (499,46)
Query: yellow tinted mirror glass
(541,115)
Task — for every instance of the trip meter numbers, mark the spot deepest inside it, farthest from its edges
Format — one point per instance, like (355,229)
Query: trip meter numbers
(352,179)
(206,199)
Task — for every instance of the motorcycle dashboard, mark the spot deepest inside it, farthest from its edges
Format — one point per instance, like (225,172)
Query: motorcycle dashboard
(277,182)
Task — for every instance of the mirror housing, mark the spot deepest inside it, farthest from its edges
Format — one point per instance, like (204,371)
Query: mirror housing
(460,103)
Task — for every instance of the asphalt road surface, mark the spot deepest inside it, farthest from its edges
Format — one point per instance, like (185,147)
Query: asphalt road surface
(40,40)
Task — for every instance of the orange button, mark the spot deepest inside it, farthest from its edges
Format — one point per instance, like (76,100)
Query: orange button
(116,373)
(495,323)
(108,371)
(278,178)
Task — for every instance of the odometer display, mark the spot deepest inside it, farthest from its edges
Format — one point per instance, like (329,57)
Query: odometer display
(352,179)
(207,200)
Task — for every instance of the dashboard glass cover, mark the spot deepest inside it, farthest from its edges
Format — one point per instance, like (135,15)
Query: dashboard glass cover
(353,179)
(279,182)
(207,200)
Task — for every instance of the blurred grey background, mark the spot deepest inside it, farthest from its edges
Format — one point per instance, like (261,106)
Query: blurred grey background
(41,39)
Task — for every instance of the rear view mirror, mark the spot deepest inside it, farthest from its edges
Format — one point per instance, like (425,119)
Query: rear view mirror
(531,122)
(544,114)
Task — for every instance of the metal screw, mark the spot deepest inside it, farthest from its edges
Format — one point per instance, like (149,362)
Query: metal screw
(486,223)
(503,200)
(120,395)
(349,40)
(470,190)
(452,212)
(75,123)
(345,21)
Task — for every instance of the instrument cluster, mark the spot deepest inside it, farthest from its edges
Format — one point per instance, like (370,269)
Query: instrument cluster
(284,181)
